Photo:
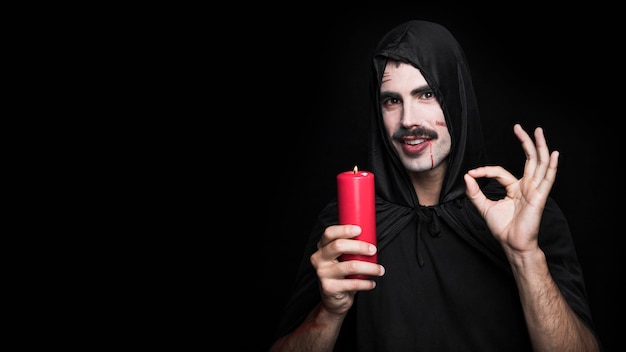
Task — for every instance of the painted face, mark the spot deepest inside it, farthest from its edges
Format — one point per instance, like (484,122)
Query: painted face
(413,118)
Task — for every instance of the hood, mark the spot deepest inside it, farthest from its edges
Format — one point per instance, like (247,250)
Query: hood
(433,50)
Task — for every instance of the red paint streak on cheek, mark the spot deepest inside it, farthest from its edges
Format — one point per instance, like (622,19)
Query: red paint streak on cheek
(432,158)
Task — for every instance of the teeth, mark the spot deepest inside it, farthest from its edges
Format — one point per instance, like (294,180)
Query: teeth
(414,142)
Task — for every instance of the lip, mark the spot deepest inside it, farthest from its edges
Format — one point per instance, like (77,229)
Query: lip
(414,149)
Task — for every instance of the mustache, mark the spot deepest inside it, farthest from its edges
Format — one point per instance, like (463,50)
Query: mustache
(414,132)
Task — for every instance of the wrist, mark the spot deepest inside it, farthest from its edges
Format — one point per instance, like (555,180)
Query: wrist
(529,261)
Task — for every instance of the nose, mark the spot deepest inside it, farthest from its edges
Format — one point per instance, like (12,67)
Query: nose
(412,114)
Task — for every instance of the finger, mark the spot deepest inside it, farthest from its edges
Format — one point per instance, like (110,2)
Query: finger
(498,172)
(361,268)
(338,231)
(543,154)
(337,287)
(546,184)
(333,250)
(339,270)
(476,196)
(529,150)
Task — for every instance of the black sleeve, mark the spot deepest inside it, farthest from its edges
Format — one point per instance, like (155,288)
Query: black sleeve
(556,241)
(305,291)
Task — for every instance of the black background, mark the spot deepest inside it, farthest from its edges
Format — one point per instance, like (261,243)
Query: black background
(305,89)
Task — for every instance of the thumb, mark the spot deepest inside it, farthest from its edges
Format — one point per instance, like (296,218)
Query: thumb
(473,190)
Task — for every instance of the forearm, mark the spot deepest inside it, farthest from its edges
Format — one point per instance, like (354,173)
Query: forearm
(318,332)
(552,324)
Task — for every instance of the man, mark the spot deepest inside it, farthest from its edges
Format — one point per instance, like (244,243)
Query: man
(470,258)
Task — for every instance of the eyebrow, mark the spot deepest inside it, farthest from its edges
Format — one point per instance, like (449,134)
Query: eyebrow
(420,90)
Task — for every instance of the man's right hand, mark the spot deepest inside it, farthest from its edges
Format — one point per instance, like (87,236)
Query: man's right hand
(337,291)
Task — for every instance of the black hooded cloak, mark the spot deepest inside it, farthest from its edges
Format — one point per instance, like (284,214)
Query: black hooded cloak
(447,285)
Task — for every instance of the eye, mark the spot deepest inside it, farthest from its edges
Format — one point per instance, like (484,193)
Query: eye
(428,95)
(391,101)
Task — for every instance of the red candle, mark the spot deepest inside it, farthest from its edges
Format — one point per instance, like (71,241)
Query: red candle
(357,206)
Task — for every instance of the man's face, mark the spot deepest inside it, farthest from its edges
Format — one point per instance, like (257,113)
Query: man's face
(413,118)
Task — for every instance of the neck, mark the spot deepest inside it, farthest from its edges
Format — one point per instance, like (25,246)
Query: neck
(427,185)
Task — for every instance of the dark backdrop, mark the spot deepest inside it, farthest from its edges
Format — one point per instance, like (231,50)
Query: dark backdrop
(307,92)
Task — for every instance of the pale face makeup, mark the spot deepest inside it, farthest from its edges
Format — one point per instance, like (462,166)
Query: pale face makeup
(413,118)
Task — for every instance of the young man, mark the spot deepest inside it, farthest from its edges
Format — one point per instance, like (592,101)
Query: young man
(470,258)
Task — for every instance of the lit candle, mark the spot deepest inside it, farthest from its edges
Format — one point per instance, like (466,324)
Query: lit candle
(357,206)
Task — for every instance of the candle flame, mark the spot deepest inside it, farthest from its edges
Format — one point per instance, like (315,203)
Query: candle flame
(355,170)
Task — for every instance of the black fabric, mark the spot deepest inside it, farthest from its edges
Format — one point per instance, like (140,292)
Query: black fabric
(448,285)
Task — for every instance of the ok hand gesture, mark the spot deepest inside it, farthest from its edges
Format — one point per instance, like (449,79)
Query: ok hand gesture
(514,220)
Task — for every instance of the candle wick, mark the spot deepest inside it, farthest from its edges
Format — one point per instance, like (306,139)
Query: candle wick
(355,170)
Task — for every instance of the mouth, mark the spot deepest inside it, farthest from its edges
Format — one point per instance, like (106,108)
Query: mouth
(414,141)
(414,147)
